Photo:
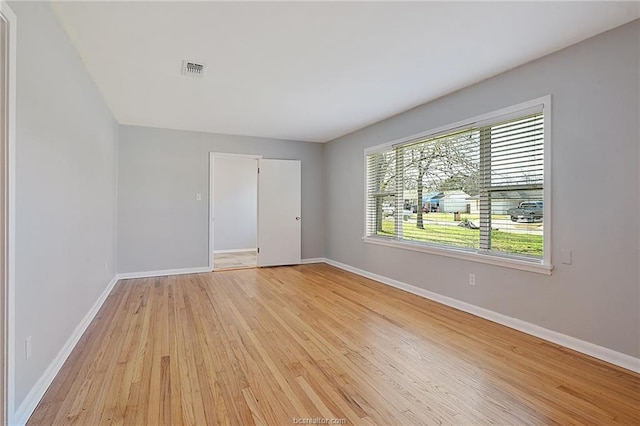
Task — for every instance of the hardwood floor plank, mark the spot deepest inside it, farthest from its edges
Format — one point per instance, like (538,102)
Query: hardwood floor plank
(267,346)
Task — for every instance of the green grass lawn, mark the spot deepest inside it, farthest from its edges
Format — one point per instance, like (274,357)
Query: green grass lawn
(508,242)
(448,217)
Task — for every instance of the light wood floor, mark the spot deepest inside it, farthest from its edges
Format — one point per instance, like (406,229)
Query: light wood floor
(265,346)
(237,260)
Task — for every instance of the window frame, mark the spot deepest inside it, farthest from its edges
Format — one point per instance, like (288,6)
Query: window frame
(544,266)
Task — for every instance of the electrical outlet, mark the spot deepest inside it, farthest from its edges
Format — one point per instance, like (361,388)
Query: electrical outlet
(472,279)
(27,348)
(566,256)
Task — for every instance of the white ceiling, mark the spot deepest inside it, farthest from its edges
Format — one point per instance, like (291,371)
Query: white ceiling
(310,71)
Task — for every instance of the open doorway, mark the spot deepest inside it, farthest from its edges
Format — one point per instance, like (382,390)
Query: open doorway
(234,208)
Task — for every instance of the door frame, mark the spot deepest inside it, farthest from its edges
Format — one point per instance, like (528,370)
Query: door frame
(7,215)
(212,156)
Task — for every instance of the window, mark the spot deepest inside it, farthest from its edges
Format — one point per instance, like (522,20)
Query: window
(475,190)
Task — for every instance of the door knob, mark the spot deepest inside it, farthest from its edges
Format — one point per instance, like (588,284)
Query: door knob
(298,218)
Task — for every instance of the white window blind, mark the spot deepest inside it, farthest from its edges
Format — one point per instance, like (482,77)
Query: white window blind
(381,190)
(478,188)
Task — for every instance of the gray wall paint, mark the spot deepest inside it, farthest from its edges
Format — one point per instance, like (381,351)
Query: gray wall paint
(595,133)
(66,192)
(235,200)
(160,223)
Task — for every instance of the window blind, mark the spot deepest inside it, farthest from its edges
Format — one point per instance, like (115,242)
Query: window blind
(479,188)
(381,193)
(513,178)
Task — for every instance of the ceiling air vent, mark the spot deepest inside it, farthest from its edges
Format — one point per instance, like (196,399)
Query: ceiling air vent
(193,69)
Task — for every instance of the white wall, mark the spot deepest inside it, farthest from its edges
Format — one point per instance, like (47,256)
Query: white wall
(162,226)
(235,200)
(65,194)
(595,87)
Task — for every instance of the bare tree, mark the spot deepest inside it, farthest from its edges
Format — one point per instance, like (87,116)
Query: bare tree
(449,162)
(430,164)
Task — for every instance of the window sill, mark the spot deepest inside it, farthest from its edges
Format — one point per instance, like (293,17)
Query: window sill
(464,255)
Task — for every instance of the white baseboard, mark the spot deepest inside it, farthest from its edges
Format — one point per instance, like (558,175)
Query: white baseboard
(234,250)
(591,349)
(36,393)
(313,260)
(162,273)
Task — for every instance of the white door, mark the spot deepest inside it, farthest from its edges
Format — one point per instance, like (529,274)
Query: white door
(279,220)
